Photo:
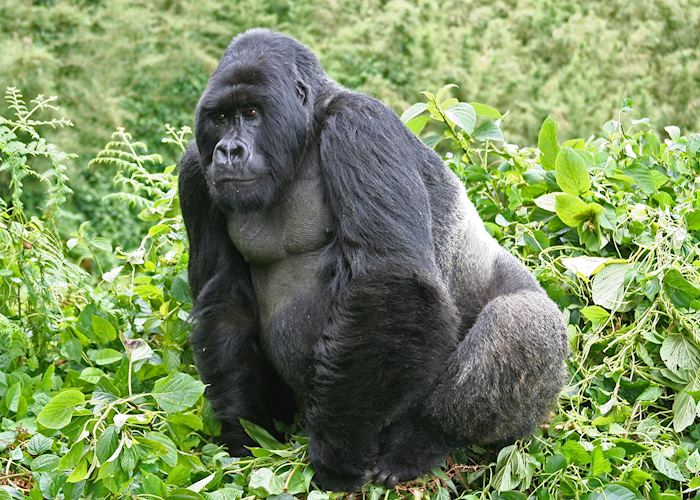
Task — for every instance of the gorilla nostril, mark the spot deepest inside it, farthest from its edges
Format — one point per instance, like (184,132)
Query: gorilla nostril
(238,151)
(227,152)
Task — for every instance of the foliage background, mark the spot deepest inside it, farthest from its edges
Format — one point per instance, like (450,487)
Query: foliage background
(98,393)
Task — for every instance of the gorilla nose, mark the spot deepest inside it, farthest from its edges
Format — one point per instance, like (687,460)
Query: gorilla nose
(231,152)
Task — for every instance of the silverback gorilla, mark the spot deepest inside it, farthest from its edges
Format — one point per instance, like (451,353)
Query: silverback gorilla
(338,268)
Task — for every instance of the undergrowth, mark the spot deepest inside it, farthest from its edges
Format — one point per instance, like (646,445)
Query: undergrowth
(99,394)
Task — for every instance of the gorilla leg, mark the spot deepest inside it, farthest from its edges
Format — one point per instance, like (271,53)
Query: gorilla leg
(380,356)
(503,377)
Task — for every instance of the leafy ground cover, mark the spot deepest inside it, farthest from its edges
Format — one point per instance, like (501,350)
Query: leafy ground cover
(98,393)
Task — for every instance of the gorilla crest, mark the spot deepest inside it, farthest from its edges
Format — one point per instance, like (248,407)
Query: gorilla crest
(339,269)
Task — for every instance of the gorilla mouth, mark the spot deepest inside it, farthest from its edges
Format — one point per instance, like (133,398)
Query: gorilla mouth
(237,180)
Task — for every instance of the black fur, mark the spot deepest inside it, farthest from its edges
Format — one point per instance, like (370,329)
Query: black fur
(338,267)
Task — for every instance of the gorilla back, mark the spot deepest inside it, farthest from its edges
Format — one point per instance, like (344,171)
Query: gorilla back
(338,268)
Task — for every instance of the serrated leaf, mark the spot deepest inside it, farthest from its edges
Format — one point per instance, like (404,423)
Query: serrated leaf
(488,131)
(463,115)
(45,463)
(38,444)
(575,453)
(162,445)
(681,292)
(59,410)
(106,444)
(571,172)
(608,288)
(677,352)
(177,392)
(547,143)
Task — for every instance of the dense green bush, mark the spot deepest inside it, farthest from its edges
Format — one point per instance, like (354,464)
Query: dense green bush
(99,396)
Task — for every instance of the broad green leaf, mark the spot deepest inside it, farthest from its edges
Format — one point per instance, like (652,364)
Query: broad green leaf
(575,453)
(91,375)
(177,392)
(599,464)
(693,220)
(79,473)
(595,314)
(103,330)
(463,115)
(162,445)
(71,459)
(666,467)
(681,292)
(677,352)
(488,131)
(547,143)
(13,396)
(107,444)
(413,111)
(107,356)
(486,111)
(608,288)
(59,410)
(263,483)
(38,444)
(614,492)
(45,463)
(573,211)
(571,172)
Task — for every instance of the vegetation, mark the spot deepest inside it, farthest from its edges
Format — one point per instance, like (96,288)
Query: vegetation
(99,396)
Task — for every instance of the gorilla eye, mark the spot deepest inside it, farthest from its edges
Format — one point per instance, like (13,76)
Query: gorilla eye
(220,118)
(250,112)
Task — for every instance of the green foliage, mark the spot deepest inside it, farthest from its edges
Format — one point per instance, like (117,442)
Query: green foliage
(98,393)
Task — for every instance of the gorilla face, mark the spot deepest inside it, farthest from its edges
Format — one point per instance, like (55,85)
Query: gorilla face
(251,129)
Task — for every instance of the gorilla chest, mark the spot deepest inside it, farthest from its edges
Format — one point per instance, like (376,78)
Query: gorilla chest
(282,246)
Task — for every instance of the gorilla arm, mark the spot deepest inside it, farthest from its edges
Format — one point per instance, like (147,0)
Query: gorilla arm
(225,336)
(392,323)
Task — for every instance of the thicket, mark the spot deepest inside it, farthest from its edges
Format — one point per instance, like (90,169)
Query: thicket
(99,396)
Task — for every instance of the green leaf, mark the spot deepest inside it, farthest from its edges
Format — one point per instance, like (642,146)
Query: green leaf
(575,453)
(79,473)
(91,375)
(555,463)
(547,143)
(71,459)
(573,211)
(107,356)
(599,464)
(463,115)
(486,111)
(107,444)
(571,172)
(608,288)
(614,492)
(413,111)
(681,292)
(693,220)
(177,392)
(488,131)
(38,444)
(103,330)
(45,463)
(162,445)
(59,410)
(261,436)
(595,314)
(666,467)
(13,396)
(677,352)
(263,483)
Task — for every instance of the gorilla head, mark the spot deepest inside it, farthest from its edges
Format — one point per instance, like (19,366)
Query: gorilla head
(249,133)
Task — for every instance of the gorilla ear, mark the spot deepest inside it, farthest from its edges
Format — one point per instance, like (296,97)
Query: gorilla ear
(302,91)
